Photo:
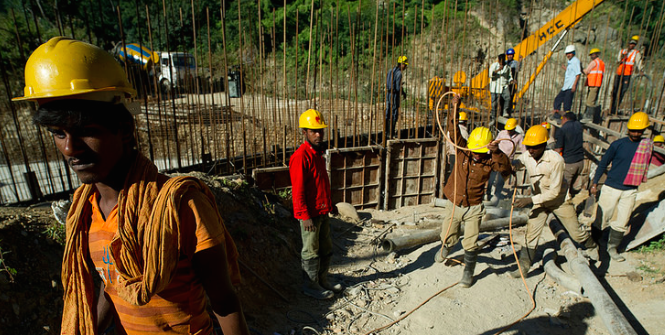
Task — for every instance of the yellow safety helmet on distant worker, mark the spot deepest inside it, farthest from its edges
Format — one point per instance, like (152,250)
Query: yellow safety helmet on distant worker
(638,121)
(66,68)
(402,60)
(463,116)
(594,51)
(634,39)
(511,124)
(658,139)
(536,135)
(546,125)
(312,119)
(479,139)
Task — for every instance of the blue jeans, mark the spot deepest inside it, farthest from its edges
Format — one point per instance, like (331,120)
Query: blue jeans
(392,107)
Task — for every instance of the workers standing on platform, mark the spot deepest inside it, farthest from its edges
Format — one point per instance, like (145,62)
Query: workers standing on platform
(594,79)
(464,192)
(629,157)
(434,93)
(509,148)
(157,244)
(570,81)
(545,168)
(311,205)
(569,143)
(628,59)
(394,90)
(514,69)
(500,77)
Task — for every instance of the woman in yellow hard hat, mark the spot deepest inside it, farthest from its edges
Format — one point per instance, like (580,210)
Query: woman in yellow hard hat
(657,159)
(629,157)
(545,168)
(464,192)
(496,181)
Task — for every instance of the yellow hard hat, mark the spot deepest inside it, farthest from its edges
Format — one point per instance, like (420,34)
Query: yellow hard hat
(510,124)
(312,119)
(478,139)
(463,116)
(659,139)
(546,125)
(535,135)
(594,50)
(638,121)
(63,67)
(634,39)
(402,60)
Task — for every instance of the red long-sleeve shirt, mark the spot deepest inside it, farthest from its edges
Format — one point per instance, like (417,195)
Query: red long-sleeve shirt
(310,184)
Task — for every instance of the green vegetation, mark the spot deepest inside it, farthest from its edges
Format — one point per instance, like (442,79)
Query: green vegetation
(656,245)
(56,232)
(11,272)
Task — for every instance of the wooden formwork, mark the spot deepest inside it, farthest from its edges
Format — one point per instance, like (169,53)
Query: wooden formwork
(356,176)
(412,172)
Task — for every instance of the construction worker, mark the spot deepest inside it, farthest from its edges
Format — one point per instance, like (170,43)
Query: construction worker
(629,157)
(551,141)
(158,244)
(500,77)
(394,89)
(509,132)
(628,59)
(311,205)
(464,192)
(569,144)
(594,79)
(545,168)
(657,159)
(434,92)
(571,78)
(514,69)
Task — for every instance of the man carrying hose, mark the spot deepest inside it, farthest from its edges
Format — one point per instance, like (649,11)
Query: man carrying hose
(546,169)
(311,205)
(157,244)
(464,191)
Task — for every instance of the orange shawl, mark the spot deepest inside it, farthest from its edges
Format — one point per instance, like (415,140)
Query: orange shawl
(145,250)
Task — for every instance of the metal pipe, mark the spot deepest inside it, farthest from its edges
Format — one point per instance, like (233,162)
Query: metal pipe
(433,235)
(614,320)
(569,282)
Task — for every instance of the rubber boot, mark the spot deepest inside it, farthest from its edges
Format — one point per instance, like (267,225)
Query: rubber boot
(525,260)
(470,258)
(311,285)
(441,254)
(612,243)
(323,277)
(591,249)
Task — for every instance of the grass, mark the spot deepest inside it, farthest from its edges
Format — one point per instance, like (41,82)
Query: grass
(658,245)
(11,272)
(56,232)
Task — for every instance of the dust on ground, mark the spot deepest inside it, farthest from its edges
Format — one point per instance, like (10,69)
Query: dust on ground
(381,286)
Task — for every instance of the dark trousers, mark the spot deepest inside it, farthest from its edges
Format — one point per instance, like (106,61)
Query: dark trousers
(392,107)
(564,97)
(621,85)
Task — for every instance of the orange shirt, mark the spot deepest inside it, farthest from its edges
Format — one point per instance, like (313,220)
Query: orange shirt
(181,307)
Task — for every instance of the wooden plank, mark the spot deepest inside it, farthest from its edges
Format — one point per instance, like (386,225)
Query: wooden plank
(272,179)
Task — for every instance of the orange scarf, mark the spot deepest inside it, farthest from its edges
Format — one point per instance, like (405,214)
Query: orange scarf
(145,250)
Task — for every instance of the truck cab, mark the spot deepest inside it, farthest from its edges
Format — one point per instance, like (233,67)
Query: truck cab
(177,68)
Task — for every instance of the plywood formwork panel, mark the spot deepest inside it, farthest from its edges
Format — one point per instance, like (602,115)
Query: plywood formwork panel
(275,178)
(412,172)
(356,176)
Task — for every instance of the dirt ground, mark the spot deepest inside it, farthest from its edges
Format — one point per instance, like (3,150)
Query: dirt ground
(381,286)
